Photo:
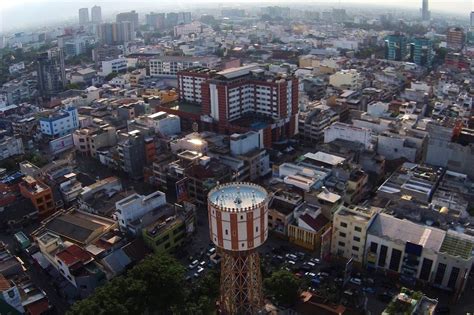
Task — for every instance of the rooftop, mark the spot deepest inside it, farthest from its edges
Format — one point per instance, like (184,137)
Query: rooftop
(387,226)
(73,254)
(455,245)
(325,158)
(78,226)
(237,196)
(358,213)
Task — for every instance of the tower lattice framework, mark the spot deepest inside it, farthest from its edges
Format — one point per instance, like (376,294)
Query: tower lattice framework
(241,283)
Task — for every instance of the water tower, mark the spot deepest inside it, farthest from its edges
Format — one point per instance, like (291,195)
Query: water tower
(238,225)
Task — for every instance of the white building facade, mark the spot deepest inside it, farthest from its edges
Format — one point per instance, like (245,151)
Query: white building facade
(61,123)
(136,206)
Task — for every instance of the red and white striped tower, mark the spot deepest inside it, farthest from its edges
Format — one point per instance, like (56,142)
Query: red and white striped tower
(238,225)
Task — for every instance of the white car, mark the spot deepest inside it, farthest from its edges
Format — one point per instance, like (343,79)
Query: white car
(193,264)
(310,264)
(310,274)
(355,281)
(291,256)
(198,272)
(315,260)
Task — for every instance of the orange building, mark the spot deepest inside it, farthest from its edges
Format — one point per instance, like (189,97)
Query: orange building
(40,195)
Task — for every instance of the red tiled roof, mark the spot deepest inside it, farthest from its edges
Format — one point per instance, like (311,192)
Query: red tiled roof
(73,254)
(38,307)
(4,283)
(315,223)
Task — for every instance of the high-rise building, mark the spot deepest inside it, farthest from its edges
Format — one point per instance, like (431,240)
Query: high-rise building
(242,97)
(51,72)
(472,19)
(83,16)
(422,51)
(396,47)
(238,225)
(131,17)
(456,38)
(116,33)
(155,20)
(96,14)
(171,19)
(425,12)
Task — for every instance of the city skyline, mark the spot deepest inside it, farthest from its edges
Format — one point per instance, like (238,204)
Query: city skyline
(30,13)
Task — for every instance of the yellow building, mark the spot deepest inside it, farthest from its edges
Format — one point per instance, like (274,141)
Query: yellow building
(166,96)
(308,227)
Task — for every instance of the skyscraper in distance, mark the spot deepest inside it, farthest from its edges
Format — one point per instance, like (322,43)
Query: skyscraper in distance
(83,16)
(96,14)
(425,12)
(472,19)
(51,72)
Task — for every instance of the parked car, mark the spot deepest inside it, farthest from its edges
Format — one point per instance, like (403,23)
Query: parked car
(308,266)
(315,261)
(356,281)
(193,264)
(300,255)
(310,274)
(368,290)
(211,251)
(291,263)
(323,274)
(292,257)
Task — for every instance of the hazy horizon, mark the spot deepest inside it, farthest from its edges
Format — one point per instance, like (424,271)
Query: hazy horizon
(29,13)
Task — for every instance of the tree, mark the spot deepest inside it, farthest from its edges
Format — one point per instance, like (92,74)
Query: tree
(110,76)
(283,286)
(72,86)
(156,285)
(205,292)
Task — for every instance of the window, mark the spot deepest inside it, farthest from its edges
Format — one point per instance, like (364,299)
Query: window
(395,260)
(356,238)
(342,244)
(383,255)
(226,232)
(342,234)
(343,224)
(440,273)
(356,248)
(357,229)
(453,278)
(373,247)
(256,229)
(426,269)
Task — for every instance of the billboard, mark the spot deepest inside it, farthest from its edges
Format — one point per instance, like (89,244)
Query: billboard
(182,190)
(61,144)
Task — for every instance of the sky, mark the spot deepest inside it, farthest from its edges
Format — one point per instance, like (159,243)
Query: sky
(24,13)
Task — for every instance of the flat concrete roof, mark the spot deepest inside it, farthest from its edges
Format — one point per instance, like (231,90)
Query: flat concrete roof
(387,226)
